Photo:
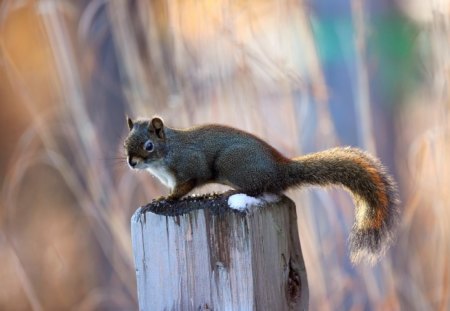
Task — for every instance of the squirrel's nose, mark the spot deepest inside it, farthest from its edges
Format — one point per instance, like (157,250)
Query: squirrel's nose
(131,162)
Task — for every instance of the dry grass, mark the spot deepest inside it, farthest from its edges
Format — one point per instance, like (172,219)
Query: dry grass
(70,71)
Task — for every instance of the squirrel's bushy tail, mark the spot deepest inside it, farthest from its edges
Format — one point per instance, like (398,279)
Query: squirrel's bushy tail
(374,192)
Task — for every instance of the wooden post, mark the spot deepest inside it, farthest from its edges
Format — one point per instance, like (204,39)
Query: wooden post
(198,254)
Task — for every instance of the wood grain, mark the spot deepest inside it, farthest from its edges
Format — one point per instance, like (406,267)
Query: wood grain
(198,254)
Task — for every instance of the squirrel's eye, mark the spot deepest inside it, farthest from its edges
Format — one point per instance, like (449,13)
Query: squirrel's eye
(148,146)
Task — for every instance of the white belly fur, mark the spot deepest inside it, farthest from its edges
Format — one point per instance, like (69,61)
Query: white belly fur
(162,173)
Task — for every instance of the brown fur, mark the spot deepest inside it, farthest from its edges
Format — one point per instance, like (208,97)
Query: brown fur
(380,213)
(214,153)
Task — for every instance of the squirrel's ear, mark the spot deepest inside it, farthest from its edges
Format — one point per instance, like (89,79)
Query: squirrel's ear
(130,123)
(158,126)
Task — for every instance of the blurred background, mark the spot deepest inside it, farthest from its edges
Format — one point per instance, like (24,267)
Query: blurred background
(303,75)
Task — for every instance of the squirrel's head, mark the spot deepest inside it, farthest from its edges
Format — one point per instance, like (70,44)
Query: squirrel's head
(145,143)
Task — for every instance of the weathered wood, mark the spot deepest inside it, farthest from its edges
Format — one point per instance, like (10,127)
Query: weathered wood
(198,254)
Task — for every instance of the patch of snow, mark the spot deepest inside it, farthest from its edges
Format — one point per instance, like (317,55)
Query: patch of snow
(241,201)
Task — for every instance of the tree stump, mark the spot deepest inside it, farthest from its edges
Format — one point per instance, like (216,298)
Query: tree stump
(199,254)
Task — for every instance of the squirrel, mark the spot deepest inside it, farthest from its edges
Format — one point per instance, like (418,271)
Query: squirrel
(183,159)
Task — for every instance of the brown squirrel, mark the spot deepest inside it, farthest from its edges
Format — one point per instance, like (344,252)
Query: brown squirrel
(183,159)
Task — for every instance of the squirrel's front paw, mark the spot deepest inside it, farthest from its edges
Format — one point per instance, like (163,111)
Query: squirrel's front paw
(160,199)
(168,198)
(172,197)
